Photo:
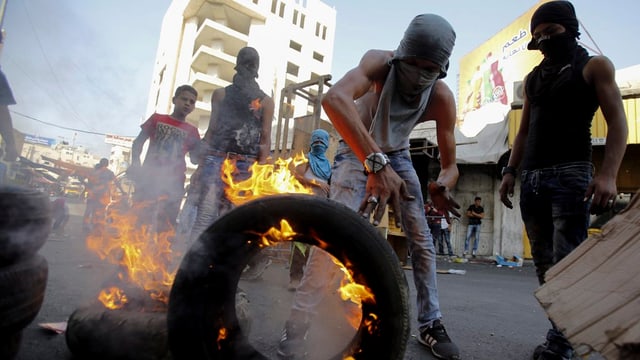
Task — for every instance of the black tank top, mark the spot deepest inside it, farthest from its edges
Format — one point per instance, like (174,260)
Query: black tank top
(239,126)
(562,106)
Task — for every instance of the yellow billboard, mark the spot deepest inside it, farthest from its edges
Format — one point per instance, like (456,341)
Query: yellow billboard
(489,72)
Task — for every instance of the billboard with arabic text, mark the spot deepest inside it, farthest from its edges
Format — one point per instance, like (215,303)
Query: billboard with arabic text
(488,73)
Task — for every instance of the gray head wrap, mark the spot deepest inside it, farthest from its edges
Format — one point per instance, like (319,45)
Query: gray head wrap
(429,37)
(248,61)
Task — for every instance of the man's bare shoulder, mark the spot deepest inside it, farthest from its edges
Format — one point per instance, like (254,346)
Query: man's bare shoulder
(375,62)
(599,68)
(442,92)
(218,94)
(442,104)
(378,55)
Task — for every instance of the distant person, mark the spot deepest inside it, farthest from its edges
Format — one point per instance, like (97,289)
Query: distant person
(315,174)
(59,215)
(3,168)
(559,186)
(239,131)
(160,181)
(6,124)
(98,188)
(475,213)
(445,236)
(434,218)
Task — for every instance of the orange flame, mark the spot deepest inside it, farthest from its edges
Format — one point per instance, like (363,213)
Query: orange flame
(351,291)
(255,105)
(222,334)
(112,298)
(371,322)
(266,179)
(273,235)
(143,253)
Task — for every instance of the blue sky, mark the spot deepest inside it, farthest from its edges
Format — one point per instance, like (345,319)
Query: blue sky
(87,64)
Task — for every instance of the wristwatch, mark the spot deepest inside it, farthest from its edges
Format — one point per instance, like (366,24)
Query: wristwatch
(508,170)
(375,162)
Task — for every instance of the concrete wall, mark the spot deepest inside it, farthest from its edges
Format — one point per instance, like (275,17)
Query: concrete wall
(501,231)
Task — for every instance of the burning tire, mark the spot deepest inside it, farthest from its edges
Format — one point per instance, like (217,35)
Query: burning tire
(22,287)
(25,223)
(202,323)
(94,332)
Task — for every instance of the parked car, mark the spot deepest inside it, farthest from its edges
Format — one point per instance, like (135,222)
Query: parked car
(74,189)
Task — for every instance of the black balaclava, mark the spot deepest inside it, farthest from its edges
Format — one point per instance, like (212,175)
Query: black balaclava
(561,51)
(557,12)
(247,64)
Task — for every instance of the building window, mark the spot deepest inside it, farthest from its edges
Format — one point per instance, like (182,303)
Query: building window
(274,6)
(302,21)
(282,8)
(295,17)
(324,33)
(292,69)
(317,29)
(295,46)
(317,56)
(255,2)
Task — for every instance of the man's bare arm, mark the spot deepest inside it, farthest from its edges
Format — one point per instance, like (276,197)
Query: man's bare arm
(339,104)
(265,134)
(600,72)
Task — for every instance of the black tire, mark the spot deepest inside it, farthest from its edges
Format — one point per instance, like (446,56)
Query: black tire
(96,333)
(22,287)
(202,296)
(10,344)
(25,223)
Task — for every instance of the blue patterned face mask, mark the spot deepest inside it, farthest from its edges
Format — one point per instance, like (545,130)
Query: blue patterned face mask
(318,148)
(412,80)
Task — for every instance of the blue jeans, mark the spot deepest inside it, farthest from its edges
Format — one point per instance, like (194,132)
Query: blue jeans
(445,240)
(554,211)
(472,230)
(348,186)
(213,202)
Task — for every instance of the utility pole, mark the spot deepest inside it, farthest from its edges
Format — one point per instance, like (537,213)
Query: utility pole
(3,7)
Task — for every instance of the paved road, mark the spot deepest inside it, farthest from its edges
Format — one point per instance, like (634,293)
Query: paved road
(489,311)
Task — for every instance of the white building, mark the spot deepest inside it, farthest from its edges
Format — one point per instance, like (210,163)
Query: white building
(200,39)
(76,155)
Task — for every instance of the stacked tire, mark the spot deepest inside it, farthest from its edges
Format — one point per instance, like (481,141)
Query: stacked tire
(25,224)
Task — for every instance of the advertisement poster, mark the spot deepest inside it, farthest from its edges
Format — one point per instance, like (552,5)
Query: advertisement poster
(489,73)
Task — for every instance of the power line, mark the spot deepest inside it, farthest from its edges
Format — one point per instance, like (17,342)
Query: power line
(55,76)
(63,127)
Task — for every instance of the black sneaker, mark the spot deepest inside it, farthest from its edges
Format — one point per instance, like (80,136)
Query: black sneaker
(436,338)
(291,344)
(539,349)
(557,347)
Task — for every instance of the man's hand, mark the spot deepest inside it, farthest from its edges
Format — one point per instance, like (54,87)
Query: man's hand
(604,192)
(442,199)
(384,188)
(506,190)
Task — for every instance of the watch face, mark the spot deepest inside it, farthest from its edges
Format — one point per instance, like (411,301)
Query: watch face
(375,162)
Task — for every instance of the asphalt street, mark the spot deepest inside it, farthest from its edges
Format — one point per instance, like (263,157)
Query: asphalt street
(489,311)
